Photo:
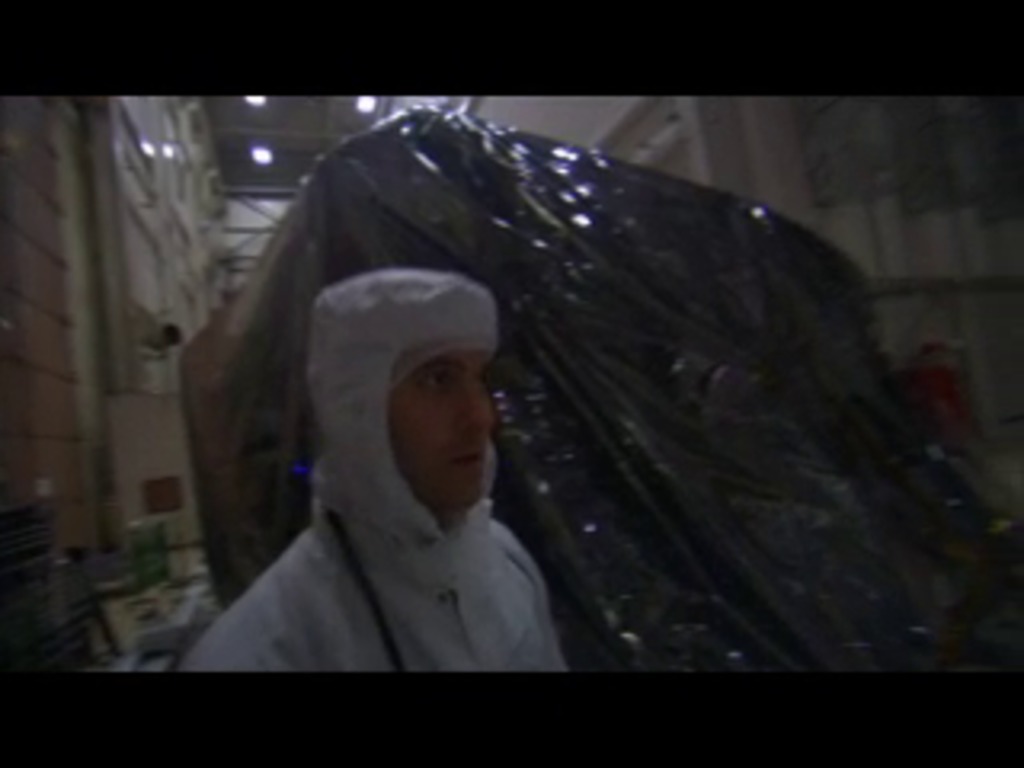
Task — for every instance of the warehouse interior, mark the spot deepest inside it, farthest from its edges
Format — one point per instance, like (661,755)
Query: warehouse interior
(129,224)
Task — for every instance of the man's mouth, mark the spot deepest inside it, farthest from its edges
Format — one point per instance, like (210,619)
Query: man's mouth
(469,459)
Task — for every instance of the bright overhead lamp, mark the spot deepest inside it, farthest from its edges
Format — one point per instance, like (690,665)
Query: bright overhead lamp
(262,155)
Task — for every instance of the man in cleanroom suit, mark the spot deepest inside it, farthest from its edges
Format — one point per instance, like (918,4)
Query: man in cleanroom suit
(403,567)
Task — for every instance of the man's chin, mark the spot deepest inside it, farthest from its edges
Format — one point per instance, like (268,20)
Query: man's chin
(455,509)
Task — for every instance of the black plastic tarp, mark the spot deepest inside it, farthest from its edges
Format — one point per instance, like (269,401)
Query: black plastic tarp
(700,441)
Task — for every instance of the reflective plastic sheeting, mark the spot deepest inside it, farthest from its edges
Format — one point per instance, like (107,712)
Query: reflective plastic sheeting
(699,440)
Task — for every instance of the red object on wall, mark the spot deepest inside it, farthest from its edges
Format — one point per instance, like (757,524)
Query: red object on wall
(163,494)
(934,383)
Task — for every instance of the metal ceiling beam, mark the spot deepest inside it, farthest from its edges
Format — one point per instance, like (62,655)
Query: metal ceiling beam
(277,133)
(257,191)
(249,230)
(253,205)
(236,249)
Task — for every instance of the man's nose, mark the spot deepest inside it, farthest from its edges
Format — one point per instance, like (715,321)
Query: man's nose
(478,412)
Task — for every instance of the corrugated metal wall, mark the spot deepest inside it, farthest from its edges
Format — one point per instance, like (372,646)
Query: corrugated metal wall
(39,437)
(101,241)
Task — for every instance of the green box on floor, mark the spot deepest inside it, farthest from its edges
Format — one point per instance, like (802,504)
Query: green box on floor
(149,557)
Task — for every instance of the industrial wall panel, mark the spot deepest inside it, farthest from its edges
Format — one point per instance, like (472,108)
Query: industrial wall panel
(57,461)
(52,406)
(30,272)
(45,339)
(29,212)
(14,398)
(16,457)
(33,160)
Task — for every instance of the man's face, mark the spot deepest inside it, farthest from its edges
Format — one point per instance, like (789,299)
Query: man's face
(441,418)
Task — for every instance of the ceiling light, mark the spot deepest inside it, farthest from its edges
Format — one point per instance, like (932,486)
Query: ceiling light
(262,155)
(256,101)
(168,151)
(366,104)
(148,149)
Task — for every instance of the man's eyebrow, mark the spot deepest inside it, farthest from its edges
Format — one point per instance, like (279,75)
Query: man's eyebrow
(443,362)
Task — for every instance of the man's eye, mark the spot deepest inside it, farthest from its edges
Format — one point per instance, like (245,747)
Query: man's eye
(438,379)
